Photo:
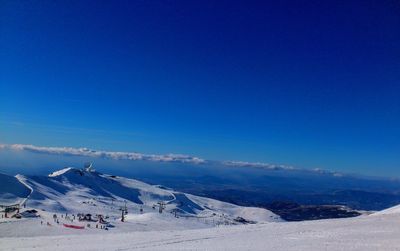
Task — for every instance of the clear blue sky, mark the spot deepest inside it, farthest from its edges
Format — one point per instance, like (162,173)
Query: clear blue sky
(305,83)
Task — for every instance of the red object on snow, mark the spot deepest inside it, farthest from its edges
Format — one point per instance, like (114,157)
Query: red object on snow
(74,226)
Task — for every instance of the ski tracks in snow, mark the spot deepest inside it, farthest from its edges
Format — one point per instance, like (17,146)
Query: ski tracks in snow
(22,181)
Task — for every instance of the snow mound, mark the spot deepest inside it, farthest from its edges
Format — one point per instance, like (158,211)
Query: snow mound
(391,210)
(12,191)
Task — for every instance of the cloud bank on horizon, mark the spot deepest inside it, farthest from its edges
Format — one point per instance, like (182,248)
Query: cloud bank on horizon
(258,165)
(86,152)
(180,158)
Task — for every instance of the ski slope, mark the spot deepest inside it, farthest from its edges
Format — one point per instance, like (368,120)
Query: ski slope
(72,190)
(11,190)
(362,233)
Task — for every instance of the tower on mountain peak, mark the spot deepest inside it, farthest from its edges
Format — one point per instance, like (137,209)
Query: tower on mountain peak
(88,166)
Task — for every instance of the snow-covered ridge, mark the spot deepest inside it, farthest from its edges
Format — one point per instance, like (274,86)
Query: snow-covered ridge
(60,172)
(11,190)
(74,190)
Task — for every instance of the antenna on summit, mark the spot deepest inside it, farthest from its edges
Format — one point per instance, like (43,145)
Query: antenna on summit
(88,166)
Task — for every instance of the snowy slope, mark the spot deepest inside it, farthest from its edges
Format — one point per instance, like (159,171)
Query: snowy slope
(73,190)
(360,233)
(60,172)
(202,223)
(392,210)
(12,191)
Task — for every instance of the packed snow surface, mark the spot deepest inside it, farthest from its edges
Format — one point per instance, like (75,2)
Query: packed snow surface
(361,233)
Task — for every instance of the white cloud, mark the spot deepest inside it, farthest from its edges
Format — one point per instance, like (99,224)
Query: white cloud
(152,157)
(258,165)
(279,167)
(322,171)
(104,154)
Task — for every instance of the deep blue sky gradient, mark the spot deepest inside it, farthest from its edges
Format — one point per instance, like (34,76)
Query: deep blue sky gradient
(304,83)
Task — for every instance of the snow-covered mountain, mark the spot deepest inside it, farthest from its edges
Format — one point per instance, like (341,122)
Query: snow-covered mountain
(72,190)
(12,191)
(187,223)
